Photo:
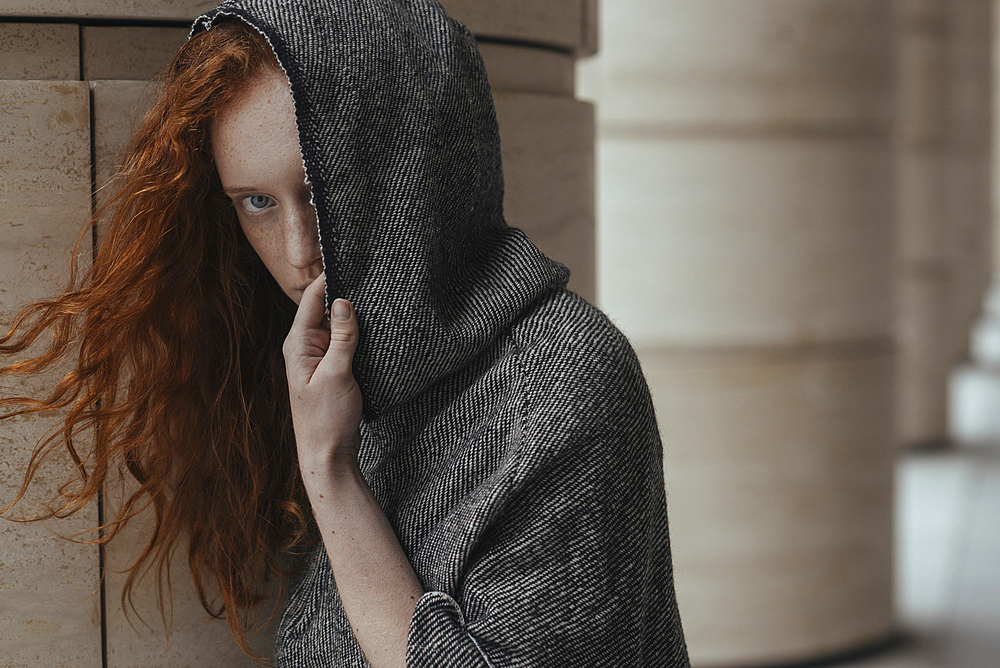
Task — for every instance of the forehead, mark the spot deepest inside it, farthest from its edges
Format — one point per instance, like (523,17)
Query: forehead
(259,123)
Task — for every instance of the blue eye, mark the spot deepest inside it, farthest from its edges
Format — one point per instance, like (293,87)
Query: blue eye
(256,203)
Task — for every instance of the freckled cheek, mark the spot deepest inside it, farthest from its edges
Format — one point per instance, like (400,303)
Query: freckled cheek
(270,249)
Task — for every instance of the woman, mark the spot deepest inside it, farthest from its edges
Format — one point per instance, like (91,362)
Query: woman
(461,465)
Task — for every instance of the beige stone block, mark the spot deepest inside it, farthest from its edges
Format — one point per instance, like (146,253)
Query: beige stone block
(49,586)
(39,51)
(559,23)
(921,206)
(118,107)
(548,152)
(925,358)
(128,52)
(775,65)
(737,241)
(522,69)
(49,601)
(969,77)
(922,64)
(177,10)
(969,221)
(778,468)
(191,636)
(45,189)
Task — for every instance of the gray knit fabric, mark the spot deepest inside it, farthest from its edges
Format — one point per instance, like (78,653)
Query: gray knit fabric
(508,432)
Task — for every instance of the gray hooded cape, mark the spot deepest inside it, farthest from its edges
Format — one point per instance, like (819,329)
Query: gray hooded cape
(508,432)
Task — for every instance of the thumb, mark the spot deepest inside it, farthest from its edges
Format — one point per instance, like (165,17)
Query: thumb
(343,328)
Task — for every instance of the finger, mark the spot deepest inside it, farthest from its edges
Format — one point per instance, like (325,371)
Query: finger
(343,340)
(311,307)
(343,325)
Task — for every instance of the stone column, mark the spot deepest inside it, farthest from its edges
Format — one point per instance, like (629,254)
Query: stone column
(923,279)
(974,401)
(530,48)
(745,244)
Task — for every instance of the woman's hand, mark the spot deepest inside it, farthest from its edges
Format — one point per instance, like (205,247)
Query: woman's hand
(377,585)
(325,398)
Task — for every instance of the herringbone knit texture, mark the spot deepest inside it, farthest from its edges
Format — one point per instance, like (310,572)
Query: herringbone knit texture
(508,432)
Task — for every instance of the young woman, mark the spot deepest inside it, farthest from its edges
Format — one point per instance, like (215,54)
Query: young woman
(459,464)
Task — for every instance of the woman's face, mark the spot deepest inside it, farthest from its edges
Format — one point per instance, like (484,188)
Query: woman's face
(256,149)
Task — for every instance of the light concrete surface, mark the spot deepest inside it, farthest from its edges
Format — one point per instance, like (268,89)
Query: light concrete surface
(922,334)
(975,382)
(141,637)
(39,51)
(49,587)
(49,602)
(745,240)
(117,109)
(45,189)
(779,491)
(128,52)
(778,65)
(942,199)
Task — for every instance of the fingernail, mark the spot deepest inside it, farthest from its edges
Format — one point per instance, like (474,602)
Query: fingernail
(341,310)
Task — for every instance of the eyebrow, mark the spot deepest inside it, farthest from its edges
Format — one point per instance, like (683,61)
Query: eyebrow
(240,190)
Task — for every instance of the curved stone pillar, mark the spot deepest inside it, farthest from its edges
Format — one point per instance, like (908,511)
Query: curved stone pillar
(745,237)
(970,118)
(922,280)
(530,49)
(974,399)
(943,200)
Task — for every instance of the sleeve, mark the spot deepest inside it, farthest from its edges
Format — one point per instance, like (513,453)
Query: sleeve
(573,567)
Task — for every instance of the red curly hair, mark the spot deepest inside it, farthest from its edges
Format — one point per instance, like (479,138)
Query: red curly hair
(175,337)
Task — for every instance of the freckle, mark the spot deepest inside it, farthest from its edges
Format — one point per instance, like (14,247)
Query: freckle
(312,473)
(321,496)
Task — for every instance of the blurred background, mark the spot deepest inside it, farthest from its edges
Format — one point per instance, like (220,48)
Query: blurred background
(795,231)
(787,207)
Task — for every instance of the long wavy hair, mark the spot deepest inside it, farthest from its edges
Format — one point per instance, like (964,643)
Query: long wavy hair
(174,338)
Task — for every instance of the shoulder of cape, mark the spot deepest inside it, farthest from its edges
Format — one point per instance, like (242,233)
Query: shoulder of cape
(568,346)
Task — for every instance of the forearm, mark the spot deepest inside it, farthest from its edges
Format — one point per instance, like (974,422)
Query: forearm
(376,582)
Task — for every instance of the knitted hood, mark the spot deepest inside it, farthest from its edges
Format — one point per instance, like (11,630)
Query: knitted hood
(399,138)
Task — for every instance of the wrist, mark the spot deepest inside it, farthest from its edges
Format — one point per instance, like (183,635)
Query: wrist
(330,471)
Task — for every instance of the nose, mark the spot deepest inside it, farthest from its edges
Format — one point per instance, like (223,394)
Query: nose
(302,247)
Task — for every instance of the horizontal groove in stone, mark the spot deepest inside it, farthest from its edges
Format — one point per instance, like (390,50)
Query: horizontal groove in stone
(676,131)
(875,346)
